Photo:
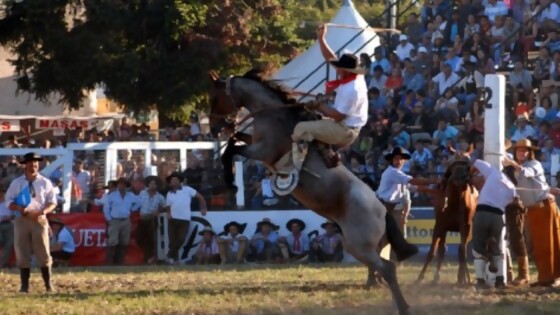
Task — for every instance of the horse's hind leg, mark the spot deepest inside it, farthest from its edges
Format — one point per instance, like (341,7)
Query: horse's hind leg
(463,277)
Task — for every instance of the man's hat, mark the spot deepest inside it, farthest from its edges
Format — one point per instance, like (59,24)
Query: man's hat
(525,143)
(331,223)
(55,220)
(267,221)
(28,157)
(523,116)
(123,181)
(175,174)
(350,63)
(230,224)
(397,151)
(207,229)
(150,178)
(296,221)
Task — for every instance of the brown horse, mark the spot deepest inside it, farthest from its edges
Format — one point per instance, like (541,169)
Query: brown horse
(455,204)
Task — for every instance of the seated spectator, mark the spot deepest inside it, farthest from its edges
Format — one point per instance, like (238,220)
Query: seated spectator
(404,48)
(327,247)
(546,155)
(548,89)
(377,101)
(445,79)
(233,245)
(474,122)
(208,251)
(444,133)
(404,114)
(400,136)
(471,28)
(412,80)
(543,67)
(394,83)
(549,111)
(496,36)
(414,29)
(475,43)
(380,61)
(422,62)
(549,18)
(447,107)
(523,129)
(471,82)
(543,133)
(521,77)
(485,63)
(295,246)
(264,244)
(438,45)
(421,156)
(494,9)
(62,242)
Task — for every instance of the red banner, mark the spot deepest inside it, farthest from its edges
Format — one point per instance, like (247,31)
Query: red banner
(89,231)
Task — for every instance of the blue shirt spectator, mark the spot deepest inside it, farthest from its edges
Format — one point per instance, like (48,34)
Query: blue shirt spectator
(119,206)
(444,133)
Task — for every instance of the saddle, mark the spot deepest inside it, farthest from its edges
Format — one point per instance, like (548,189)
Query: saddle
(286,171)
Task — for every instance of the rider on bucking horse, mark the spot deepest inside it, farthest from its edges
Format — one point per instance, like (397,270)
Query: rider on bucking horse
(341,123)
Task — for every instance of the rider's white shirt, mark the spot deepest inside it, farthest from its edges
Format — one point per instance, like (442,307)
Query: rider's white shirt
(352,100)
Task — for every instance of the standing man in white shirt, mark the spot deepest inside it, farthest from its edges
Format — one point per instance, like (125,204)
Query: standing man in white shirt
(31,228)
(6,230)
(488,222)
(342,122)
(178,208)
(83,177)
(391,192)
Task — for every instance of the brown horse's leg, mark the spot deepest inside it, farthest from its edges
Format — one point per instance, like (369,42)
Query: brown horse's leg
(436,239)
(440,255)
(463,277)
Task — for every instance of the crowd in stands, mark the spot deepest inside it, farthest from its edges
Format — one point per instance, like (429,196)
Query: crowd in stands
(425,89)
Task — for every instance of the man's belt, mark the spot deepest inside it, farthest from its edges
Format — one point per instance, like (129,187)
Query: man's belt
(543,203)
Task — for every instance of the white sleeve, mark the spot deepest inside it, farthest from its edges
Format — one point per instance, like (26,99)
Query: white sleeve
(484,168)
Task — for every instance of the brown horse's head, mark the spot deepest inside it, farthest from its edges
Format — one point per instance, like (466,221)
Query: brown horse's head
(222,109)
(460,174)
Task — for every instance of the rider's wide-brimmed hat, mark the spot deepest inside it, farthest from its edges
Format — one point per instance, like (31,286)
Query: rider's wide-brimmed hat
(525,143)
(296,221)
(397,151)
(350,63)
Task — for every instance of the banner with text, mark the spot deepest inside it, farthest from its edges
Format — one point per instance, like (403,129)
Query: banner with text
(9,125)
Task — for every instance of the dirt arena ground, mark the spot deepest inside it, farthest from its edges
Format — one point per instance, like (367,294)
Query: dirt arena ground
(257,290)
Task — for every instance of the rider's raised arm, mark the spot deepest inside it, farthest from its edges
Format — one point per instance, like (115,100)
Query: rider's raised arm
(326,51)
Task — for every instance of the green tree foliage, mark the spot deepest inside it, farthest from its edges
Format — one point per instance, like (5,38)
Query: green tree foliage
(147,52)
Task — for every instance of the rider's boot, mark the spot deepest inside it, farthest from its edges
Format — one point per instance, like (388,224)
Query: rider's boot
(399,245)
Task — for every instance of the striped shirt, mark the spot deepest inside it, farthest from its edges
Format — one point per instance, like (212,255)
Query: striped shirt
(329,243)
(150,204)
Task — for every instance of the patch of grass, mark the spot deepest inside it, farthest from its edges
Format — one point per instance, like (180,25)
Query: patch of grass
(257,290)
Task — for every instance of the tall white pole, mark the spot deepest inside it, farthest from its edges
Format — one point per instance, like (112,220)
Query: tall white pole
(494,133)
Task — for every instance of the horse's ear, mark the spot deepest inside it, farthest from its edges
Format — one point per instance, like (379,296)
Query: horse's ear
(214,76)
(471,149)
(451,149)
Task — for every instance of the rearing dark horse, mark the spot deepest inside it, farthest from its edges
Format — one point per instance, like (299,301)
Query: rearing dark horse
(334,193)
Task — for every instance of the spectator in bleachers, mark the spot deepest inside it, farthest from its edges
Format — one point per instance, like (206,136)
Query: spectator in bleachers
(404,47)
(378,79)
(495,8)
(454,28)
(447,106)
(82,178)
(414,29)
(444,133)
(208,251)
(233,245)
(295,246)
(327,247)
(549,18)
(421,156)
(496,36)
(412,80)
(523,129)
(445,79)
(543,67)
(394,83)
(471,28)
(381,61)
(548,89)
(400,136)
(546,155)
(438,45)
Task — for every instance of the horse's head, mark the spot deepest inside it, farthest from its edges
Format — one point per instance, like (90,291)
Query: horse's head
(222,108)
(463,156)
(460,174)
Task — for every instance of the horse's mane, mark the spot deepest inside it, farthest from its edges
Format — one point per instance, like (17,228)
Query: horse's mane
(448,172)
(285,94)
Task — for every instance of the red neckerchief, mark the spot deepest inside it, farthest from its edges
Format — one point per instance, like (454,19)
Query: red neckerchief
(333,85)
